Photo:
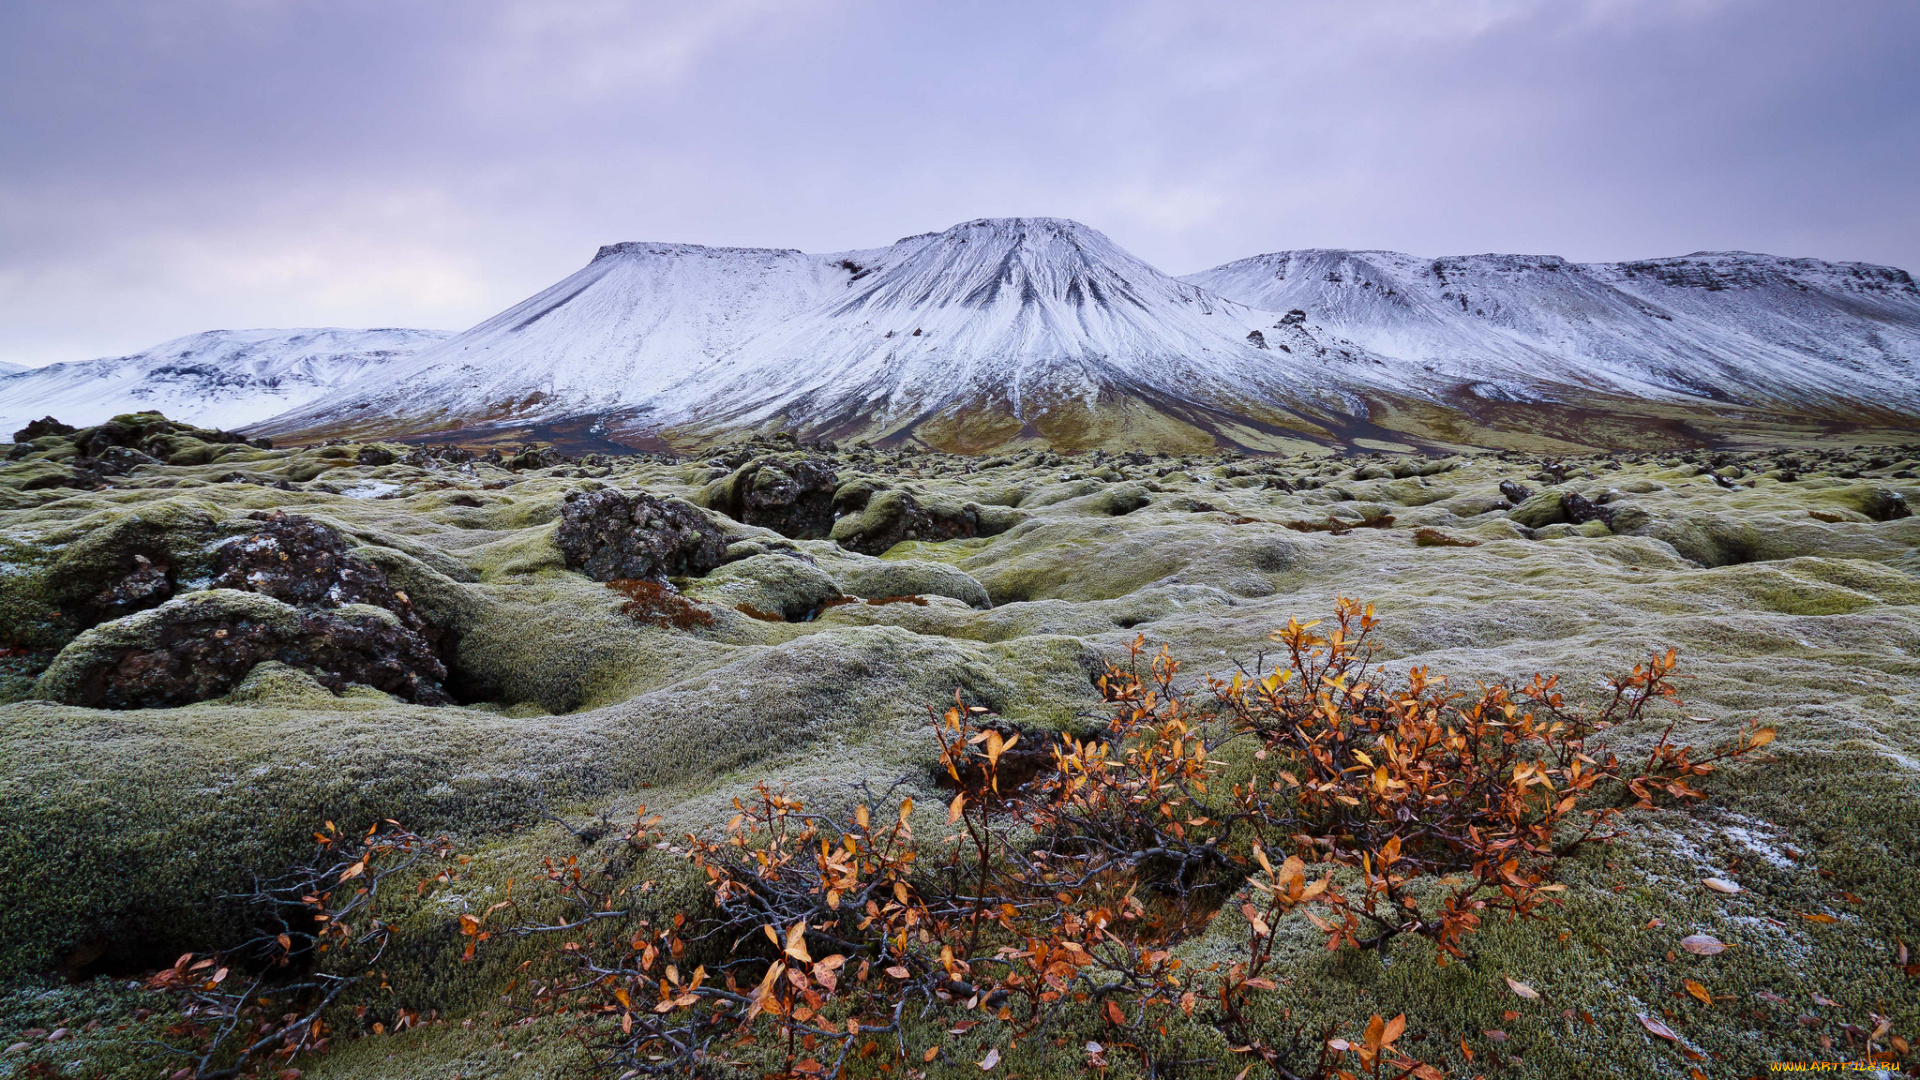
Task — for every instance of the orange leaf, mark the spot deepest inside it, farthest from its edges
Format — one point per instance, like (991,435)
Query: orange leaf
(1698,991)
(1115,1015)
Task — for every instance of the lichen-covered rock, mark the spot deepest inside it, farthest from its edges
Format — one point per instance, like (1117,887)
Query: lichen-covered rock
(153,434)
(1117,500)
(274,683)
(1515,492)
(610,535)
(203,644)
(146,584)
(1556,506)
(1876,502)
(791,496)
(1624,518)
(104,565)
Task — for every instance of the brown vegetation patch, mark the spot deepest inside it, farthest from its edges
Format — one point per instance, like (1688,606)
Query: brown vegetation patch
(653,604)
(1436,538)
(1340,526)
(755,613)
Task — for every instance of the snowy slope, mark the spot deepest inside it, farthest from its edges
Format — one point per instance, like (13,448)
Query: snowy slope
(1715,326)
(1020,314)
(637,319)
(221,378)
(12,369)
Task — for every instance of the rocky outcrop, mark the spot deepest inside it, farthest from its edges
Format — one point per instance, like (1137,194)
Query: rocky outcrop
(44,426)
(1556,506)
(791,496)
(116,447)
(288,591)
(614,535)
(305,563)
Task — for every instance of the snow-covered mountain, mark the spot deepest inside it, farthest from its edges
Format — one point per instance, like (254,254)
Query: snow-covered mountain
(221,378)
(1008,325)
(1040,329)
(992,330)
(1800,335)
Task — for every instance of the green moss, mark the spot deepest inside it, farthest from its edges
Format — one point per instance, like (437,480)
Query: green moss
(128,828)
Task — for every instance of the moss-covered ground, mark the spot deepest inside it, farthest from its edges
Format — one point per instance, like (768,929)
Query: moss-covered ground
(1791,600)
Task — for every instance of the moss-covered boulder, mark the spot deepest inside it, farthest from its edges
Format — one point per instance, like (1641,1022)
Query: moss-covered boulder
(874,578)
(885,518)
(793,496)
(1541,510)
(104,565)
(772,586)
(203,644)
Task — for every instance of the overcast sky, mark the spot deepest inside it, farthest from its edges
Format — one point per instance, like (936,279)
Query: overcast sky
(172,166)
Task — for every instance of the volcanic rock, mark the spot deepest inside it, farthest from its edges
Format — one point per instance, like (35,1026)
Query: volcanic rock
(888,517)
(302,562)
(611,535)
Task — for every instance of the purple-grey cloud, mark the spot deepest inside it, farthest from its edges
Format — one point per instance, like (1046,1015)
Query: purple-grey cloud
(177,165)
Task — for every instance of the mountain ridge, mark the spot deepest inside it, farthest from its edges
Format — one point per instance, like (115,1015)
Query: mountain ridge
(216,378)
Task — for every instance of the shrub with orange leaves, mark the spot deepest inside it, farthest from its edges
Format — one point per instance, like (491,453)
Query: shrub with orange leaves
(323,927)
(1071,867)
(1484,790)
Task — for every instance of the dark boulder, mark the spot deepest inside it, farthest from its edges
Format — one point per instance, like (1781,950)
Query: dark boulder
(46,425)
(147,582)
(1885,504)
(791,496)
(614,535)
(374,456)
(1579,509)
(302,562)
(1515,493)
(289,590)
